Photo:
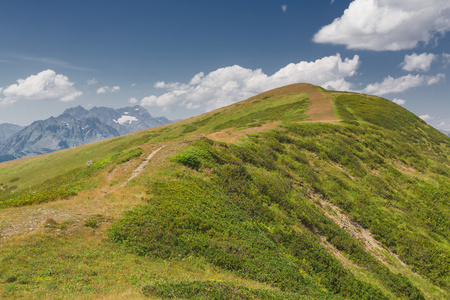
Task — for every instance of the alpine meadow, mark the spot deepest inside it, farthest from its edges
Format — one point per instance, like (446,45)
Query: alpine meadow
(295,193)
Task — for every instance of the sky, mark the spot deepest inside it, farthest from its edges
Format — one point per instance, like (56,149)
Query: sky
(182,58)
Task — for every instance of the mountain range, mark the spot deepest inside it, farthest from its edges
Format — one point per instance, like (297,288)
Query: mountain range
(295,193)
(7,130)
(74,127)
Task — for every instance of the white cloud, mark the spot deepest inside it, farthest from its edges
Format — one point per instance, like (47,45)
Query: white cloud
(426,117)
(438,122)
(102,90)
(387,24)
(133,100)
(401,84)
(105,89)
(399,101)
(442,125)
(44,85)
(418,62)
(92,81)
(284,8)
(227,85)
(126,120)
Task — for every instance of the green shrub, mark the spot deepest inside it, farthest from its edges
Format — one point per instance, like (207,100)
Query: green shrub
(215,290)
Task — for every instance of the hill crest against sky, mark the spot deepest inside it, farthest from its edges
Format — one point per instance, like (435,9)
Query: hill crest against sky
(281,206)
(112,53)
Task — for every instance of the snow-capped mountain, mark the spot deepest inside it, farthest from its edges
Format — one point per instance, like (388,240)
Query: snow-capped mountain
(74,127)
(128,119)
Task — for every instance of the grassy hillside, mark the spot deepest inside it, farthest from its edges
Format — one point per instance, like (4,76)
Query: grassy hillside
(296,193)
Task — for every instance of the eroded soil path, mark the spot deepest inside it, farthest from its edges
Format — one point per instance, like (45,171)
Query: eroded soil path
(372,245)
(141,167)
(321,107)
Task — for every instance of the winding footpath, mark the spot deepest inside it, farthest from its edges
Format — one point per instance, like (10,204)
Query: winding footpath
(141,167)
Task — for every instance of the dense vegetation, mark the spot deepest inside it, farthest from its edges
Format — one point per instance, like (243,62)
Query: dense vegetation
(247,206)
(259,208)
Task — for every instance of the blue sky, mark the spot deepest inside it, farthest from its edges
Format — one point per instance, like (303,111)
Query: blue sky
(181,58)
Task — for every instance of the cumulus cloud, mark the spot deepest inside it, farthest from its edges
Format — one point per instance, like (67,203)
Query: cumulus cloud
(399,101)
(426,117)
(133,100)
(387,24)
(418,62)
(401,84)
(101,90)
(44,85)
(227,85)
(284,8)
(107,89)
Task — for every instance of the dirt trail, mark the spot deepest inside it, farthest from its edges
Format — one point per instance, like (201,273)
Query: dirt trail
(31,219)
(371,244)
(141,167)
(321,107)
(320,110)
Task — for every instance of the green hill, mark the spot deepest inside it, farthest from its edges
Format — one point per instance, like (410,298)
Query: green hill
(296,193)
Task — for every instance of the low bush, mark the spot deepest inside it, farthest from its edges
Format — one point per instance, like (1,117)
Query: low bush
(215,290)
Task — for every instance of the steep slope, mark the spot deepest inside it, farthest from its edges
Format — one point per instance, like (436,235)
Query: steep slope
(7,130)
(296,193)
(76,126)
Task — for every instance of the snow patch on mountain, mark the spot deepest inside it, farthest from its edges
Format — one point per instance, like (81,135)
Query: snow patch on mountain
(126,120)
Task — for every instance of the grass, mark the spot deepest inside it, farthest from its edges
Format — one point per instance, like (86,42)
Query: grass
(81,264)
(248,180)
(58,163)
(215,290)
(218,220)
(66,185)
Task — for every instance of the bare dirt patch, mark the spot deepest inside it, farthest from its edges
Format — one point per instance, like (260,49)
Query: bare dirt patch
(321,107)
(404,169)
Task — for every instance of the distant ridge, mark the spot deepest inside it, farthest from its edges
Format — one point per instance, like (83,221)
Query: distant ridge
(74,127)
(7,130)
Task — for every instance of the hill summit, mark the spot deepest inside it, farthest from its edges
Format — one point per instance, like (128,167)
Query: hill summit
(295,193)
